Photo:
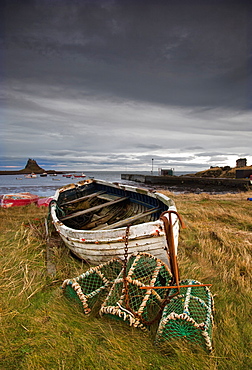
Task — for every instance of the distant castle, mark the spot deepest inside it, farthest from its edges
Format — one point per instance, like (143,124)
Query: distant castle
(32,166)
(241,162)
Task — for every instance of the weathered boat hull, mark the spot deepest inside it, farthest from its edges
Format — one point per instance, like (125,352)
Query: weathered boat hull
(98,246)
(17,199)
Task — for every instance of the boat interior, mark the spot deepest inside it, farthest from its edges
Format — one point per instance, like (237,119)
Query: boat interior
(95,206)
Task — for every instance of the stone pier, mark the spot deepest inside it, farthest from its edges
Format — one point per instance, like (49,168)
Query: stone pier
(208,183)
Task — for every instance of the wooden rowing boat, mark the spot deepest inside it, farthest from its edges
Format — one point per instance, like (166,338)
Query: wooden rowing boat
(92,218)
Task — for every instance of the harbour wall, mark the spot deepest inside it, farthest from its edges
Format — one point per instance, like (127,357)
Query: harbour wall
(208,183)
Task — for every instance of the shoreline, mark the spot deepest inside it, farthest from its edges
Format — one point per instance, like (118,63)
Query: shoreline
(21,172)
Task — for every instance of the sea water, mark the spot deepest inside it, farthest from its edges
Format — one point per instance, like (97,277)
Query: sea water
(46,186)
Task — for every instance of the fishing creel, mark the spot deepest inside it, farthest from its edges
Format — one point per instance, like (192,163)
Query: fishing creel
(87,288)
(126,301)
(188,316)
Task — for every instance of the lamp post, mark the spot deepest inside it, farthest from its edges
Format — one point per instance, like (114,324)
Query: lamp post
(152,165)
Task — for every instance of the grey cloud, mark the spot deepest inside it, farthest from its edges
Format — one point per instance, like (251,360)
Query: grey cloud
(218,159)
(208,154)
(194,148)
(150,146)
(167,158)
(62,153)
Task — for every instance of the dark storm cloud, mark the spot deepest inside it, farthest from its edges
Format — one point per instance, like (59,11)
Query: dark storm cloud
(195,53)
(116,82)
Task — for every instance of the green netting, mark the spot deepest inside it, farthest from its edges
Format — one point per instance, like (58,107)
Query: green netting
(188,315)
(139,307)
(87,288)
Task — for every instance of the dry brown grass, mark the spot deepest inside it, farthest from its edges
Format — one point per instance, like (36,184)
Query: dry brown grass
(40,329)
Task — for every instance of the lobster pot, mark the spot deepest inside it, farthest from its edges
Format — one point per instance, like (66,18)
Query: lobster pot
(126,301)
(188,316)
(87,288)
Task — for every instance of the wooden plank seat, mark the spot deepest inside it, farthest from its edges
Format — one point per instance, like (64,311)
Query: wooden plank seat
(107,197)
(130,220)
(81,199)
(93,209)
(112,214)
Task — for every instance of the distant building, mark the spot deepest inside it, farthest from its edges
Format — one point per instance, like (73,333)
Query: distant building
(241,162)
(168,172)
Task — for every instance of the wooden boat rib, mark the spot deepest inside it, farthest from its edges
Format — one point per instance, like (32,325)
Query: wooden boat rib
(92,209)
(92,216)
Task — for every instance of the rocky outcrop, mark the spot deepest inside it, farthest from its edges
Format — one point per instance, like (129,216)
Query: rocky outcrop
(32,166)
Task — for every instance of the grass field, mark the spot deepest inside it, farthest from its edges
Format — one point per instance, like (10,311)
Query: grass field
(41,329)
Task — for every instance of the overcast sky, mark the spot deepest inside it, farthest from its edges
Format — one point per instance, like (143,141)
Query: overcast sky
(113,84)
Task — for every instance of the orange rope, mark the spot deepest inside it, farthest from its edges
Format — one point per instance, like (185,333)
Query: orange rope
(174,286)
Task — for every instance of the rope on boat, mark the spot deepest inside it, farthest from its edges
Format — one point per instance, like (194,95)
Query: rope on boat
(58,209)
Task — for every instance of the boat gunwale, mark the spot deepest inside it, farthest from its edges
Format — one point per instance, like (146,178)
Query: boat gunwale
(128,188)
(148,230)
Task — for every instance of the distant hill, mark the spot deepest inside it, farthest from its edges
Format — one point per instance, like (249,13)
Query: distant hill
(221,172)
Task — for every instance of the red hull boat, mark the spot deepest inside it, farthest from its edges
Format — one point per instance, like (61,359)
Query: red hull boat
(82,175)
(17,199)
(44,202)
